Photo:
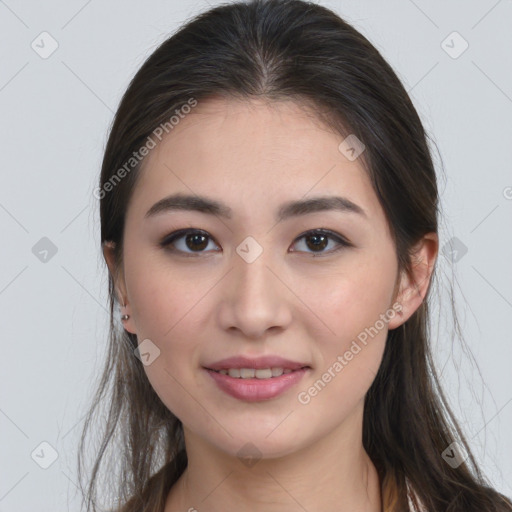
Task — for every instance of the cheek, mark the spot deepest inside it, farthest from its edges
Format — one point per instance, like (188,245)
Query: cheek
(356,308)
(163,298)
(354,300)
(348,360)
(176,392)
(166,309)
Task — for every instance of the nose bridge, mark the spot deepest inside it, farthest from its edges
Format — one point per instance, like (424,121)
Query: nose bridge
(256,298)
(254,277)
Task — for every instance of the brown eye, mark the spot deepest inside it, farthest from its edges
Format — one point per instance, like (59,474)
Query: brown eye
(196,241)
(187,241)
(190,241)
(316,241)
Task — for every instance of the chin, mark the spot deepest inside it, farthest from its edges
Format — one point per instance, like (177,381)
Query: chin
(254,442)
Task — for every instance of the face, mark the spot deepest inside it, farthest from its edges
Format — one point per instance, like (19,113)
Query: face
(252,284)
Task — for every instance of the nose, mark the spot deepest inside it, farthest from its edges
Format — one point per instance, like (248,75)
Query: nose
(255,299)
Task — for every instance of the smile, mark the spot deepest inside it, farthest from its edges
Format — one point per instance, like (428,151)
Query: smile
(258,373)
(253,385)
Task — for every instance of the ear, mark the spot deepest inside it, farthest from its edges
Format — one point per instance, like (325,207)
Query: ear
(413,287)
(117,276)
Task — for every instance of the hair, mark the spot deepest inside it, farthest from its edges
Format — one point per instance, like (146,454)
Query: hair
(280,50)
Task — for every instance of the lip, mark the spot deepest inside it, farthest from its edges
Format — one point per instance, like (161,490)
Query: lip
(256,390)
(258,363)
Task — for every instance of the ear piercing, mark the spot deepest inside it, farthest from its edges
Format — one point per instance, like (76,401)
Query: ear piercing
(125,316)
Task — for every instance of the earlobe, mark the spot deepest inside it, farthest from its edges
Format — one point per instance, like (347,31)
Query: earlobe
(413,286)
(127,319)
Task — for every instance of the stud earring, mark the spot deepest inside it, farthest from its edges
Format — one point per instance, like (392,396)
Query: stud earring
(125,316)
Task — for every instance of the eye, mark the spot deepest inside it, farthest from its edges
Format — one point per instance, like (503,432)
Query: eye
(318,239)
(190,241)
(193,239)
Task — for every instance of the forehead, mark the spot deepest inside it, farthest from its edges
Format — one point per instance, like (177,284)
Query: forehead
(252,153)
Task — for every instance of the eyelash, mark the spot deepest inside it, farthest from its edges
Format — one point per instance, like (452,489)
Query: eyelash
(176,235)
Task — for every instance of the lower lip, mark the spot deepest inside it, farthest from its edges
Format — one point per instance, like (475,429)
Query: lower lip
(255,390)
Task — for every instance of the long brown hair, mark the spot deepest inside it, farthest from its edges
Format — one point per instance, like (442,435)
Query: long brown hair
(284,49)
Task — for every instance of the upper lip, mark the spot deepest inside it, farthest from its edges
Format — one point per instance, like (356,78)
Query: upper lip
(257,363)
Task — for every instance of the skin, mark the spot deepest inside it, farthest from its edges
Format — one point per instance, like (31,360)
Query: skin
(291,301)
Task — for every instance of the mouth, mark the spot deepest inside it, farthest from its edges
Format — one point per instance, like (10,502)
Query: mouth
(256,373)
(256,384)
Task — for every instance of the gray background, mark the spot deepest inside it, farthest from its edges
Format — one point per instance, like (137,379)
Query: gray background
(55,113)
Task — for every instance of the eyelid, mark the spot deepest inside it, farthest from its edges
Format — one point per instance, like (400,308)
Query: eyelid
(341,241)
(175,235)
(324,231)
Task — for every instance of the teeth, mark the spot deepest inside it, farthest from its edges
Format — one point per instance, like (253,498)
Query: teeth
(246,373)
(276,372)
(250,373)
(264,373)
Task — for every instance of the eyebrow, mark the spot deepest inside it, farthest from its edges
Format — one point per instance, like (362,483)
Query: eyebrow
(290,209)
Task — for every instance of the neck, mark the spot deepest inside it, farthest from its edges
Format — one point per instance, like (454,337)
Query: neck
(333,474)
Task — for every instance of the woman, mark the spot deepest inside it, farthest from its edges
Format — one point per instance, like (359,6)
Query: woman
(269,220)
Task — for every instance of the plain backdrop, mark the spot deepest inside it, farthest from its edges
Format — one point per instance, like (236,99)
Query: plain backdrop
(56,109)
